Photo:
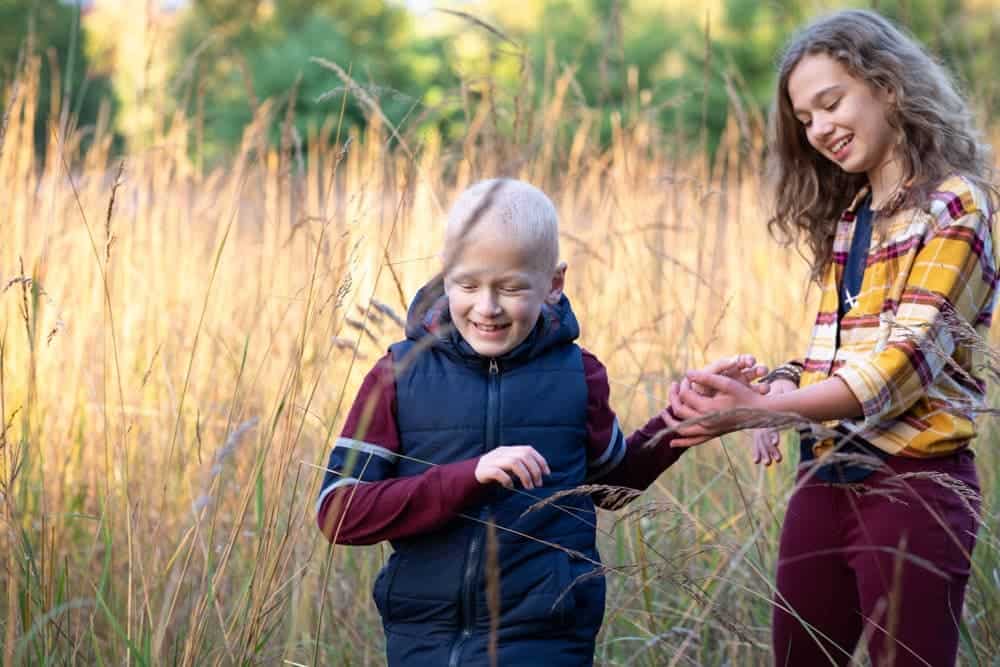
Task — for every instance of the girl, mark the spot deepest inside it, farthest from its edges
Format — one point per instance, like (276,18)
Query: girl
(876,164)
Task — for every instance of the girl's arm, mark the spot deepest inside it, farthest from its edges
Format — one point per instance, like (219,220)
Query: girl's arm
(952,285)
(823,401)
(362,501)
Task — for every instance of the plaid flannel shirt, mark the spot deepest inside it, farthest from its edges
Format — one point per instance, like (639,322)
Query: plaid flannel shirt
(905,347)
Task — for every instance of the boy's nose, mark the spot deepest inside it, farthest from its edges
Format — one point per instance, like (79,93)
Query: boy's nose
(487,303)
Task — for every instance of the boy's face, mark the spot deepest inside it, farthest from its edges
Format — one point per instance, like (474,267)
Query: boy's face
(496,289)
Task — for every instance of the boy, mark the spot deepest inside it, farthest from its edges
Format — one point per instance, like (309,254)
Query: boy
(487,408)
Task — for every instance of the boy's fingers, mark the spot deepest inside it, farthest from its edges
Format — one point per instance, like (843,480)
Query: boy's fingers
(517,469)
(542,463)
(534,469)
(502,478)
(534,462)
(694,405)
(683,437)
(691,441)
(683,411)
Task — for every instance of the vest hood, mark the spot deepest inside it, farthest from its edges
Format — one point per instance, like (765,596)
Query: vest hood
(429,315)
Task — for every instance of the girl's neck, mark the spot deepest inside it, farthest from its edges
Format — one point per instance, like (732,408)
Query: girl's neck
(885,180)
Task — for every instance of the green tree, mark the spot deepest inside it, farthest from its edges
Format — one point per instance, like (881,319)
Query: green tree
(268,56)
(51,30)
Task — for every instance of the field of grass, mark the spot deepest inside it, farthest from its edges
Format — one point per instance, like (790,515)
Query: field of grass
(179,346)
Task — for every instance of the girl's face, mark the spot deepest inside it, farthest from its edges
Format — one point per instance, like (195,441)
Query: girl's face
(844,118)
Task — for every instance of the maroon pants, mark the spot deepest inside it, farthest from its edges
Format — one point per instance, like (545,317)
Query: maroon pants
(884,563)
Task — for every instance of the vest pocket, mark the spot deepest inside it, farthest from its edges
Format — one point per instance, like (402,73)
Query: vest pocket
(538,593)
(383,586)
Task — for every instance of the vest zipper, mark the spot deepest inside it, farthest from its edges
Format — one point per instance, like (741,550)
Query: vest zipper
(473,558)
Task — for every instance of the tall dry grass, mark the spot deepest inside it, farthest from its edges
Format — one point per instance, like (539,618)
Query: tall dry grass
(179,346)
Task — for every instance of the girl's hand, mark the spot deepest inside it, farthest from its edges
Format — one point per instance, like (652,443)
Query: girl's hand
(742,367)
(766,446)
(726,395)
(766,441)
(502,464)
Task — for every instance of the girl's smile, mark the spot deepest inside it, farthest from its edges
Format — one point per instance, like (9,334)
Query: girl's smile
(846,120)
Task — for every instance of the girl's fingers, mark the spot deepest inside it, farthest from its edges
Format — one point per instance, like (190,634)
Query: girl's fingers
(717,383)
(723,365)
(766,446)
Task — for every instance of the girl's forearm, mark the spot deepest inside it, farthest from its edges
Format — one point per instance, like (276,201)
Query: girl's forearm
(823,401)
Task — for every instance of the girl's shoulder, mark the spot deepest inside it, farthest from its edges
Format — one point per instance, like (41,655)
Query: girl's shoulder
(957,196)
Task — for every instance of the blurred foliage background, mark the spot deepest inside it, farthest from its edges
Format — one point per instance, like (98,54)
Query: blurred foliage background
(686,63)
(192,297)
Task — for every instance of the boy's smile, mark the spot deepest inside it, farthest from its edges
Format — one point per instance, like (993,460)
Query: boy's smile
(496,289)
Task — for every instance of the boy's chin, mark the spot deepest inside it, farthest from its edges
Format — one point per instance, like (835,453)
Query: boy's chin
(492,348)
(484,349)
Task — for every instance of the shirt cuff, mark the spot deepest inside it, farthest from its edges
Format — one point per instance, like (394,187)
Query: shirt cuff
(868,388)
(459,486)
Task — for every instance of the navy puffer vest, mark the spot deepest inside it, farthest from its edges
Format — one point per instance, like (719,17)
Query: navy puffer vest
(455,405)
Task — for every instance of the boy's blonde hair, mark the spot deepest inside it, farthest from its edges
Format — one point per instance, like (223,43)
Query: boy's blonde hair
(519,210)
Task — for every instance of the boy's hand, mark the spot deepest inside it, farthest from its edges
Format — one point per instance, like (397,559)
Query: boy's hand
(766,440)
(501,464)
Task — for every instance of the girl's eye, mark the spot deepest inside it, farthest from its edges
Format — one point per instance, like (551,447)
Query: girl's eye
(468,287)
(833,105)
(512,289)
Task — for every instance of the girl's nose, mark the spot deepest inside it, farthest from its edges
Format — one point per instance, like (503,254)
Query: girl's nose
(821,126)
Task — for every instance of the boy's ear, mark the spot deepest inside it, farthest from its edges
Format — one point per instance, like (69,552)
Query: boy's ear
(558,283)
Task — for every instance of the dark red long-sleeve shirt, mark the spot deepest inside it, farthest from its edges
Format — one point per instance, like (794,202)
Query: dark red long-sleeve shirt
(352,511)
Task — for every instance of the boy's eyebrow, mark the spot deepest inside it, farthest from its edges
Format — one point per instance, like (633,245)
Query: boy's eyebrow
(818,96)
(463,275)
(473,273)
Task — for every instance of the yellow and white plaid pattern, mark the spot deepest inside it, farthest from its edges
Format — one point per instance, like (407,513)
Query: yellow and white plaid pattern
(930,275)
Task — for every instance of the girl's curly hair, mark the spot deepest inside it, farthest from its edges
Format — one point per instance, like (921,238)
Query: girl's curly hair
(938,135)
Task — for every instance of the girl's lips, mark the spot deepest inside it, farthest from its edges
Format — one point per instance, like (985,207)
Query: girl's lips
(845,149)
